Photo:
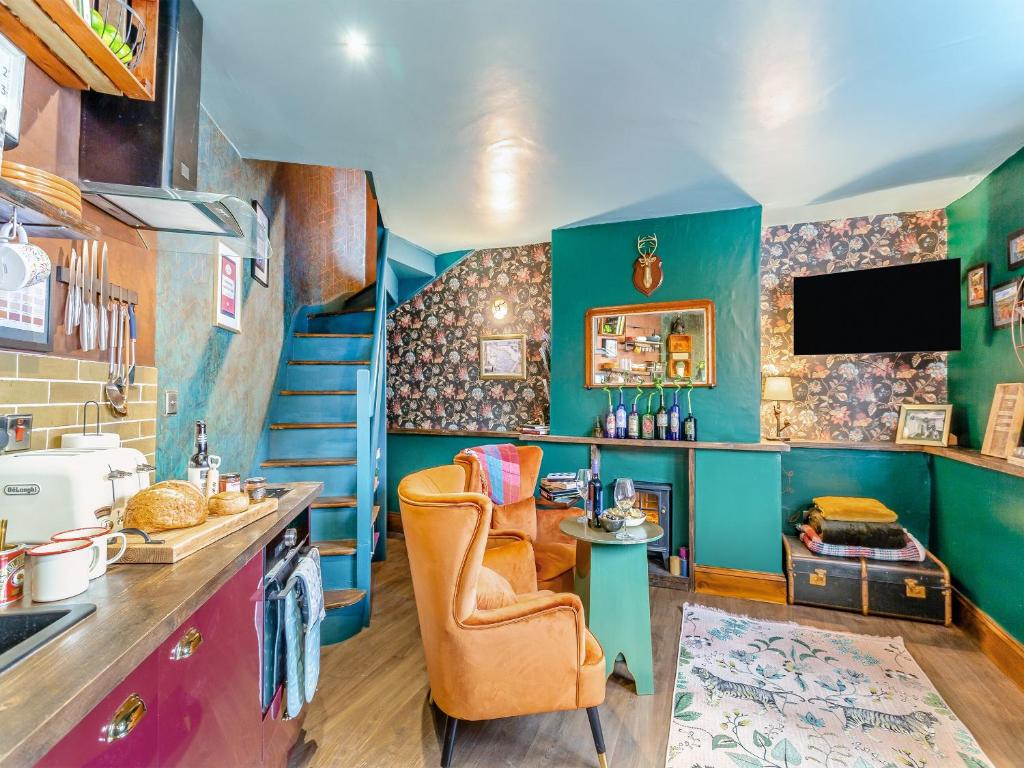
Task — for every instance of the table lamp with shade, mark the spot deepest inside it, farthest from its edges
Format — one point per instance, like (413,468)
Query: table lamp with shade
(778,389)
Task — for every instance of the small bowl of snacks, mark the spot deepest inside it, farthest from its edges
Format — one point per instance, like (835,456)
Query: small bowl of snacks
(612,523)
(635,517)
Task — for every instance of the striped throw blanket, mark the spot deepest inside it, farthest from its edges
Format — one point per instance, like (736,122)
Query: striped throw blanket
(912,552)
(499,471)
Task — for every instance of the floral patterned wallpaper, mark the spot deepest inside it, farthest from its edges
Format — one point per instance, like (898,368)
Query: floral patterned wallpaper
(434,344)
(845,397)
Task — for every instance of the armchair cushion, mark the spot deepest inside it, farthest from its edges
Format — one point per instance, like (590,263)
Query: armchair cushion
(553,559)
(493,590)
(514,561)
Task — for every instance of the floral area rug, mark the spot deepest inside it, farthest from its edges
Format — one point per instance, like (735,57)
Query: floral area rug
(760,694)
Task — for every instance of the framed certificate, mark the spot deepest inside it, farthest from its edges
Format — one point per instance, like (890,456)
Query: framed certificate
(227,298)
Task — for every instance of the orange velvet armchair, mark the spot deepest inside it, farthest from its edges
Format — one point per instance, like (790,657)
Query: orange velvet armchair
(555,553)
(532,653)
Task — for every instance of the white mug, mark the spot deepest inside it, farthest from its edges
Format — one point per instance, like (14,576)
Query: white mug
(22,264)
(100,537)
(60,569)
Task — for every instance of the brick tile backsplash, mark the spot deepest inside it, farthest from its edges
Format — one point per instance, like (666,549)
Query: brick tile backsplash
(53,390)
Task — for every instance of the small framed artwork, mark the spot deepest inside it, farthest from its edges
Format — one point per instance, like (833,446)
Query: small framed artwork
(1015,249)
(12,86)
(503,356)
(25,318)
(924,424)
(1005,419)
(613,325)
(260,268)
(977,286)
(227,297)
(1004,296)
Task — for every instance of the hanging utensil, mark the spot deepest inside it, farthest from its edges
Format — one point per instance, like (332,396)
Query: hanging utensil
(69,302)
(84,336)
(133,334)
(114,395)
(104,329)
(94,265)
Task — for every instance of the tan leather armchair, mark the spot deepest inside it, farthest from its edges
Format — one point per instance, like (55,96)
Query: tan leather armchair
(533,654)
(554,552)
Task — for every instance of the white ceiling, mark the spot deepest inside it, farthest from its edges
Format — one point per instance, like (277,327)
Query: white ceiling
(490,123)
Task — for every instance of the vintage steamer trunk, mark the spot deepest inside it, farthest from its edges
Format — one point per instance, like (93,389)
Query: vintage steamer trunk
(873,587)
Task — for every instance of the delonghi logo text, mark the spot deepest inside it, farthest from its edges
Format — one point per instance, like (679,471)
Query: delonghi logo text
(29,489)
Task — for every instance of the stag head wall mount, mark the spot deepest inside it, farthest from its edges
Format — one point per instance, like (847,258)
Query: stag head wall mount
(647,271)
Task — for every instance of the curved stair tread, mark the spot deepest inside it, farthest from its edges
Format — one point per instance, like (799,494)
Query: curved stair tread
(335,547)
(315,392)
(310,462)
(342,598)
(313,425)
(302,335)
(333,502)
(329,363)
(339,312)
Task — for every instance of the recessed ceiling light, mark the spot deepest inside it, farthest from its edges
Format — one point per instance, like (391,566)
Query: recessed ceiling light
(356,44)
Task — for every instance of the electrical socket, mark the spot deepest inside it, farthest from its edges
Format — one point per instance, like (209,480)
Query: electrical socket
(170,402)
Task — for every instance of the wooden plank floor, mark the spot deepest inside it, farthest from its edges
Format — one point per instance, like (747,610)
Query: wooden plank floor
(372,709)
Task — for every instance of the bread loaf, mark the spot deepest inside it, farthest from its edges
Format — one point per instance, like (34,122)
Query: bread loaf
(165,506)
(228,503)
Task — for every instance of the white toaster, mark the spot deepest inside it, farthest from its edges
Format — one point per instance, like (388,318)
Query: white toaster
(44,492)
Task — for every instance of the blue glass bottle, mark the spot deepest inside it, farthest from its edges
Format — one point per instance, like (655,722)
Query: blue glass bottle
(675,431)
(620,418)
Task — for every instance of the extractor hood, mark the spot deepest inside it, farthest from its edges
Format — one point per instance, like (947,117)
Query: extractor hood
(138,160)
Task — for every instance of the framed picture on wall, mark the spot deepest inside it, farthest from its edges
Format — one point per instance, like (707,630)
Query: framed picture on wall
(924,424)
(1004,296)
(503,356)
(613,325)
(977,286)
(227,296)
(1015,249)
(260,268)
(1005,419)
(25,318)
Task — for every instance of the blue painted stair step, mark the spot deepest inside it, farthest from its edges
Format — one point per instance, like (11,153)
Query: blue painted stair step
(315,406)
(347,347)
(338,480)
(318,377)
(320,440)
(359,321)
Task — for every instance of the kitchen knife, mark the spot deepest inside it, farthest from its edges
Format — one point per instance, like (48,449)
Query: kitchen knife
(104,298)
(85,336)
(69,303)
(133,333)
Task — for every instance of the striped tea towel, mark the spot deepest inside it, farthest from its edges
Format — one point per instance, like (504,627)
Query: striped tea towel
(912,552)
(499,471)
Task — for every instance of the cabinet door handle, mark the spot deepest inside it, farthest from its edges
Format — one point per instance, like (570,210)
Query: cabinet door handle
(188,644)
(127,716)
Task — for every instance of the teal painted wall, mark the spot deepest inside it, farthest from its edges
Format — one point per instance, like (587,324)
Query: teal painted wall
(738,510)
(706,256)
(978,532)
(902,481)
(978,515)
(978,225)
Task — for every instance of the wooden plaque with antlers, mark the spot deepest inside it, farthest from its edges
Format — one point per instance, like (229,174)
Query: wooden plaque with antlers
(647,271)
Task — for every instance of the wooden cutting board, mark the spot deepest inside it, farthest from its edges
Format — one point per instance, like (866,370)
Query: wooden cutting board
(182,542)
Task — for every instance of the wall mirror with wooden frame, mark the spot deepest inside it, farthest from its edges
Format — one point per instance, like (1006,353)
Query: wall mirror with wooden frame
(641,344)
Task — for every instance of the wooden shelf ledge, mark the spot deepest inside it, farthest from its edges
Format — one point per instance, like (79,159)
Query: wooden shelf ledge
(838,445)
(678,445)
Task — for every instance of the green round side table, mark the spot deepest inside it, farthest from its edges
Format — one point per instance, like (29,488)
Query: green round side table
(611,580)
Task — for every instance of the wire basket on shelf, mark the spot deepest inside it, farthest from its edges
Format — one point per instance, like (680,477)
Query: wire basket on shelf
(120,26)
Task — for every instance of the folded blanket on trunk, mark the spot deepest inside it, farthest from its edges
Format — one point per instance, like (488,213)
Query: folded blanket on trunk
(912,551)
(500,473)
(856,534)
(854,509)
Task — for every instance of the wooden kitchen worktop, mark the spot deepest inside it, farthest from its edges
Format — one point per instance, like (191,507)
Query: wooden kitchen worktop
(137,607)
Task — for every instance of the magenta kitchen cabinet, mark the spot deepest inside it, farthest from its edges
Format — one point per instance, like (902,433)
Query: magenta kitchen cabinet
(194,702)
(120,731)
(209,679)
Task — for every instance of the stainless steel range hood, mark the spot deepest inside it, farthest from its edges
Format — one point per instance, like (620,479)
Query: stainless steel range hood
(138,160)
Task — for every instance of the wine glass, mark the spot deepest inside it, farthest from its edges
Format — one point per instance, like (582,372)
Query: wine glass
(625,495)
(583,478)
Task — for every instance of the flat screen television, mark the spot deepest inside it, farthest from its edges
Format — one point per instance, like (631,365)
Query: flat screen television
(911,308)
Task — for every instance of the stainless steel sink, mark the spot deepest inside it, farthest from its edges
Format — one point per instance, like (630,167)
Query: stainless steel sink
(24,630)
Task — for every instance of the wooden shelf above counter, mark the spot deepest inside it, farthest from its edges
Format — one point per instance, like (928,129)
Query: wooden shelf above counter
(678,445)
(837,445)
(40,217)
(62,44)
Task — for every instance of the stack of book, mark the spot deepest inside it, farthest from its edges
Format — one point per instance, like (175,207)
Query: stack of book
(534,429)
(559,487)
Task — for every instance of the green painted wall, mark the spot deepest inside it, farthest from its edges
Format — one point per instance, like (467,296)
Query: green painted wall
(978,515)
(978,225)
(706,256)
(738,510)
(902,481)
(978,532)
